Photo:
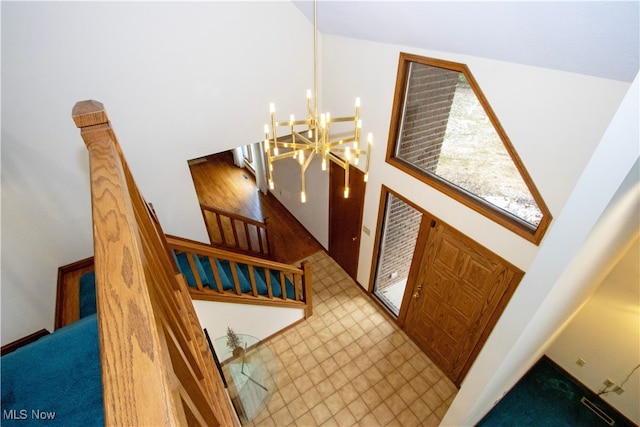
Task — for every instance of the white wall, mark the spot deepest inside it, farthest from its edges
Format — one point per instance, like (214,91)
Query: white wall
(178,80)
(605,333)
(254,320)
(314,214)
(556,121)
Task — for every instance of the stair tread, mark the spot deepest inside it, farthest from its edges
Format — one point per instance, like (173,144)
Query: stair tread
(205,272)
(59,373)
(242,271)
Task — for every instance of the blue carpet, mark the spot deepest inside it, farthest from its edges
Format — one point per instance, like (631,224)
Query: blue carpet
(242,272)
(56,380)
(549,396)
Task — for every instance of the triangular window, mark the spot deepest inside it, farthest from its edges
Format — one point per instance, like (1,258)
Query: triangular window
(446,134)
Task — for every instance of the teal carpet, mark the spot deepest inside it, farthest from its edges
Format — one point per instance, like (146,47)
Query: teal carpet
(548,396)
(205,271)
(56,380)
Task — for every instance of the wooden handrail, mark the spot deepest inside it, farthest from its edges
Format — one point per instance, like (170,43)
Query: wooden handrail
(203,249)
(156,366)
(298,277)
(237,232)
(232,215)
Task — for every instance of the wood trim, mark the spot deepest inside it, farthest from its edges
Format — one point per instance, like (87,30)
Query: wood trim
(233,215)
(67,294)
(423,238)
(156,368)
(187,245)
(519,227)
(245,299)
(21,342)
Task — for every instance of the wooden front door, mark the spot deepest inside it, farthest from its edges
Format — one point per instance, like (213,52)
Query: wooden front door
(459,291)
(345,217)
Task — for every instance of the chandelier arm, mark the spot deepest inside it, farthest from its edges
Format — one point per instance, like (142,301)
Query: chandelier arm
(337,160)
(344,119)
(307,162)
(288,123)
(286,155)
(340,142)
(304,138)
(354,151)
(346,181)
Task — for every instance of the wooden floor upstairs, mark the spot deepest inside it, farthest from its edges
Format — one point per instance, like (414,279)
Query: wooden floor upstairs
(220,183)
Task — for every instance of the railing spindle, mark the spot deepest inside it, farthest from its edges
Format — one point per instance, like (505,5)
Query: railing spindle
(220,228)
(216,274)
(267,278)
(236,281)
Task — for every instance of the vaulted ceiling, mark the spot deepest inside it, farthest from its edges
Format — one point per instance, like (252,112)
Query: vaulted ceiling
(597,38)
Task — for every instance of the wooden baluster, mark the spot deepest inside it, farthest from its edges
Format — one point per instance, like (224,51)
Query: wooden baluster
(236,281)
(235,232)
(252,279)
(220,228)
(216,274)
(207,225)
(283,281)
(260,231)
(271,249)
(247,237)
(267,277)
(194,270)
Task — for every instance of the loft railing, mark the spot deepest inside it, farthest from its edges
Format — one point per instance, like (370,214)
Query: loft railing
(156,365)
(233,277)
(237,232)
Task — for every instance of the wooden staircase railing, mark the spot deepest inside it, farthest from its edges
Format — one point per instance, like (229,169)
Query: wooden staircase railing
(236,232)
(266,282)
(156,366)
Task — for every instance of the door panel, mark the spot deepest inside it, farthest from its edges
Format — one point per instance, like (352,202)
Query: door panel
(345,217)
(459,293)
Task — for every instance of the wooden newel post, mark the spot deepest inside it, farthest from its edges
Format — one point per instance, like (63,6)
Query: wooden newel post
(132,353)
(156,366)
(89,113)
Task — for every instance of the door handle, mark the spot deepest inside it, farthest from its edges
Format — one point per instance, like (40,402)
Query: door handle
(416,294)
(354,238)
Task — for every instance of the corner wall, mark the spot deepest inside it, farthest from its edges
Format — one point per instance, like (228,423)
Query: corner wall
(179,80)
(605,332)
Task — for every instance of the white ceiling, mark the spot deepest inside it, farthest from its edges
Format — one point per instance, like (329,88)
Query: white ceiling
(597,38)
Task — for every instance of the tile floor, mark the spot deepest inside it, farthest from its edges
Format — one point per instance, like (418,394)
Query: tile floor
(349,365)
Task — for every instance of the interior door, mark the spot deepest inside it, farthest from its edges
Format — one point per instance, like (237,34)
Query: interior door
(345,217)
(458,294)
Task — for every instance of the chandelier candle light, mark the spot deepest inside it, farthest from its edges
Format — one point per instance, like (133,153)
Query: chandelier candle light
(314,138)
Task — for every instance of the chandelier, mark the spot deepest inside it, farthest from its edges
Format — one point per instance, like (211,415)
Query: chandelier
(306,138)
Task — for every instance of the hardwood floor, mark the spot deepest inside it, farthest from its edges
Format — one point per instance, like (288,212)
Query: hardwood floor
(221,184)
